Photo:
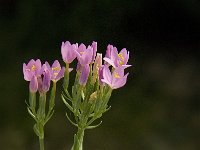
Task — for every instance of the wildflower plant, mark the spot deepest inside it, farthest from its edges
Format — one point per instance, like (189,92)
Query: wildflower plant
(93,85)
(40,77)
(87,99)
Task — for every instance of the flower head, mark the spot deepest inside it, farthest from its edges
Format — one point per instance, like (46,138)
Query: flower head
(84,55)
(31,69)
(115,80)
(56,72)
(68,51)
(117,59)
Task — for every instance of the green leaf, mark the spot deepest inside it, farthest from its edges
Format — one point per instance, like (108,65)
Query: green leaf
(107,109)
(36,130)
(27,103)
(49,116)
(67,104)
(92,127)
(71,120)
(66,97)
(32,115)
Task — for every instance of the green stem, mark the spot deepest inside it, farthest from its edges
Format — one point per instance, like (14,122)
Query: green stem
(42,107)
(52,97)
(32,101)
(41,140)
(78,140)
(66,77)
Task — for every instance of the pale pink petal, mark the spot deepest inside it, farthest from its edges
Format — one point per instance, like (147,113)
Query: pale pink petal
(107,74)
(109,61)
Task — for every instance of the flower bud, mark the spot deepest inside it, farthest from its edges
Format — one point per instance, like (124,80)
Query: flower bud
(97,65)
(93,97)
(33,85)
(84,75)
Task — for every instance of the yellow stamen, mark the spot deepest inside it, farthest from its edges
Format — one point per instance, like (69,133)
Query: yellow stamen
(33,68)
(121,57)
(55,68)
(82,53)
(116,75)
(55,74)
(121,62)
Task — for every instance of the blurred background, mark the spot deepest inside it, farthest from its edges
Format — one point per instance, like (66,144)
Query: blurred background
(158,109)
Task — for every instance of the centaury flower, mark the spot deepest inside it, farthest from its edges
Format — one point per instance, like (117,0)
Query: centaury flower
(117,59)
(115,80)
(55,70)
(84,55)
(32,68)
(68,51)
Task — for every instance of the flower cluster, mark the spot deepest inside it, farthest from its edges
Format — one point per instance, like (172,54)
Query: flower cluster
(93,84)
(41,75)
(87,56)
(88,97)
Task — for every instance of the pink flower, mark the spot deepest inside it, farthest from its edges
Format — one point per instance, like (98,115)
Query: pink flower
(31,69)
(84,55)
(115,80)
(117,59)
(68,51)
(55,70)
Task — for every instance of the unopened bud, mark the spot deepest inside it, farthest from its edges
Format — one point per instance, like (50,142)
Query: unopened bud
(97,65)
(93,97)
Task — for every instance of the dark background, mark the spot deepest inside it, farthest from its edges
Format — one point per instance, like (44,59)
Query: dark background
(158,109)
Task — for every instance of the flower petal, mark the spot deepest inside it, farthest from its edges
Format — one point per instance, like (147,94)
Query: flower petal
(60,74)
(109,61)
(107,74)
(27,74)
(84,75)
(33,85)
(46,81)
(121,82)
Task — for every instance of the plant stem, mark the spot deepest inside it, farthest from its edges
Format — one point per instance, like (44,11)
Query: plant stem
(41,140)
(66,78)
(78,140)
